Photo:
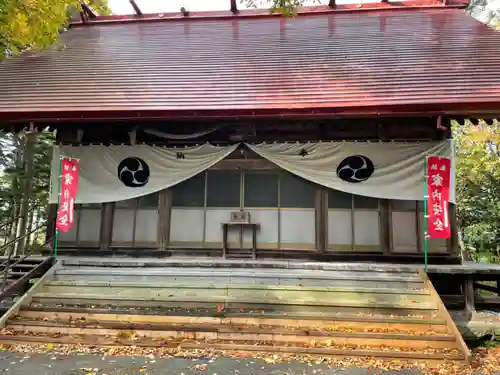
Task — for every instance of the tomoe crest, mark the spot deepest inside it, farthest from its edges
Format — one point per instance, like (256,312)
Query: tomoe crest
(356,168)
(133,172)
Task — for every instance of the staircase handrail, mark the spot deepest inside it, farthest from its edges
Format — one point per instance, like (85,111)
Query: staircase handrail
(7,265)
(24,257)
(17,239)
(2,225)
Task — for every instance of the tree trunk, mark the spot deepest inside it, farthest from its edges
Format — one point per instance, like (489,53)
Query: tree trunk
(25,193)
(30,227)
(10,214)
(19,142)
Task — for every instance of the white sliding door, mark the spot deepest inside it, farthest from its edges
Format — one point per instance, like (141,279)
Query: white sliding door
(135,222)
(353,222)
(187,220)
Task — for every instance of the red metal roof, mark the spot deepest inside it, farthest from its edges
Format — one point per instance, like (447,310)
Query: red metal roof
(379,62)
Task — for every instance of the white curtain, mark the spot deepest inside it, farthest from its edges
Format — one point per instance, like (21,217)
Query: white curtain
(398,168)
(115,173)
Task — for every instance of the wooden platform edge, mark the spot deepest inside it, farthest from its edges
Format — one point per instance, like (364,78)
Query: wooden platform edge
(28,296)
(462,346)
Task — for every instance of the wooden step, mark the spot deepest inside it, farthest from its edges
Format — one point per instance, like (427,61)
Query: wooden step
(311,348)
(350,322)
(296,288)
(227,301)
(213,312)
(336,351)
(26,266)
(297,311)
(17,274)
(236,280)
(233,333)
(274,294)
(261,273)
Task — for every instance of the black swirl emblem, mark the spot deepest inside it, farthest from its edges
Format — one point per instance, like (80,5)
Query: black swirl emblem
(357,168)
(133,172)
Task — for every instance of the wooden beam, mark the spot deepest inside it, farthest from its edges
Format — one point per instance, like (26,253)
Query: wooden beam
(86,9)
(244,164)
(385,226)
(234,7)
(83,16)
(79,135)
(324,217)
(132,135)
(137,10)
(488,288)
(51,221)
(319,222)
(107,211)
(469,296)
(452,242)
(164,218)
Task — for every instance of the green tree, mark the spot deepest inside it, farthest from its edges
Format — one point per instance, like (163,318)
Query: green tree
(14,176)
(478,187)
(286,7)
(36,24)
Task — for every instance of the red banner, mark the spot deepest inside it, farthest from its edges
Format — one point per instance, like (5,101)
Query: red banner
(438,190)
(67,196)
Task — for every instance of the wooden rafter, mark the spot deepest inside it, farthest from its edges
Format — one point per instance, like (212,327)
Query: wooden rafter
(137,10)
(83,16)
(87,10)
(234,7)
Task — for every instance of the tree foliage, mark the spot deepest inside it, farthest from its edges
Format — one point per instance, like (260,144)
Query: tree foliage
(285,7)
(14,175)
(478,187)
(486,11)
(36,24)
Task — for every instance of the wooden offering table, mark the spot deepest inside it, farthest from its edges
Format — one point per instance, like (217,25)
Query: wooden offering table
(240,219)
(225,229)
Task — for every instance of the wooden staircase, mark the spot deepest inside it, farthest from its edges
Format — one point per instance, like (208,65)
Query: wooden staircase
(19,274)
(348,312)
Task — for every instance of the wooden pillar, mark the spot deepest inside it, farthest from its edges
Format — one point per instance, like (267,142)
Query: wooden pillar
(385,225)
(164,218)
(51,222)
(452,243)
(132,135)
(320,218)
(470,304)
(107,211)
(233,6)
